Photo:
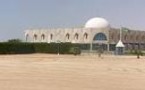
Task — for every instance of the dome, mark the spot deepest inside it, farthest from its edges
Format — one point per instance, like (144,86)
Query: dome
(97,23)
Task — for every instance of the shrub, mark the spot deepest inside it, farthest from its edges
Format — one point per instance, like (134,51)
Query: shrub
(75,51)
(16,48)
(135,52)
(14,41)
(24,48)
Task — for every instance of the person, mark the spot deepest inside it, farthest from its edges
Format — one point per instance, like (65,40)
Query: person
(100,51)
(138,54)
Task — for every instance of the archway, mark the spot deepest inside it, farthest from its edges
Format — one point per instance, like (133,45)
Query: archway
(98,42)
(51,36)
(100,37)
(85,36)
(27,38)
(35,37)
(42,37)
(76,36)
(67,36)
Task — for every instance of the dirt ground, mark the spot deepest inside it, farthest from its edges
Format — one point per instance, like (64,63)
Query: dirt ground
(68,72)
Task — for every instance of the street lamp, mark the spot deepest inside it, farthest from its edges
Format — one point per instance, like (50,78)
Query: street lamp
(58,47)
(138,51)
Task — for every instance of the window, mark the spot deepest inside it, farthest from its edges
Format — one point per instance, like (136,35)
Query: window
(131,37)
(112,36)
(137,38)
(42,37)
(125,37)
(35,37)
(85,36)
(76,36)
(143,38)
(27,37)
(67,36)
(51,36)
(118,36)
(100,36)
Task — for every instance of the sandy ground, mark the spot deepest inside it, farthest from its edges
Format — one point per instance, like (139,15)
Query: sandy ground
(68,72)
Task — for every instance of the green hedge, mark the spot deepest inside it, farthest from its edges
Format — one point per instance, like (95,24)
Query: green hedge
(135,52)
(26,48)
(16,48)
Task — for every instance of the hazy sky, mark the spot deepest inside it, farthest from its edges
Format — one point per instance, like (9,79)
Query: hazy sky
(18,15)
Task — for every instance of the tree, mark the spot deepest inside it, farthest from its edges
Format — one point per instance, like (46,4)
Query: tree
(14,41)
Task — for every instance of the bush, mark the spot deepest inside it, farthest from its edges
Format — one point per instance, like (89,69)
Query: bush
(14,41)
(135,52)
(16,48)
(25,48)
(75,51)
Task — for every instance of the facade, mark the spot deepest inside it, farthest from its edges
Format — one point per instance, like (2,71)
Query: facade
(97,32)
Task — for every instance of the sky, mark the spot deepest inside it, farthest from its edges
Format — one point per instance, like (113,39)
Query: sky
(16,16)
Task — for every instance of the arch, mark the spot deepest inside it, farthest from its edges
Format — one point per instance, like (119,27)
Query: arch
(125,37)
(100,36)
(35,37)
(143,38)
(112,36)
(42,37)
(137,37)
(51,36)
(85,36)
(76,36)
(27,37)
(131,37)
(67,36)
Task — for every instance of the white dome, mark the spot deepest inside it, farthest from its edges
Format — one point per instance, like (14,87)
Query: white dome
(97,23)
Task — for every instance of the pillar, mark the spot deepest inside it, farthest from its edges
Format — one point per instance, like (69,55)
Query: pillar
(108,47)
(91,46)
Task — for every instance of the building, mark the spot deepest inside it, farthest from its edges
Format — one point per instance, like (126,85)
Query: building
(97,32)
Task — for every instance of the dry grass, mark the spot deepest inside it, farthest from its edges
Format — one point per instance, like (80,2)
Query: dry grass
(66,72)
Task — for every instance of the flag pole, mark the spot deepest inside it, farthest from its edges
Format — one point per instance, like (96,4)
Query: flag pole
(120,33)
